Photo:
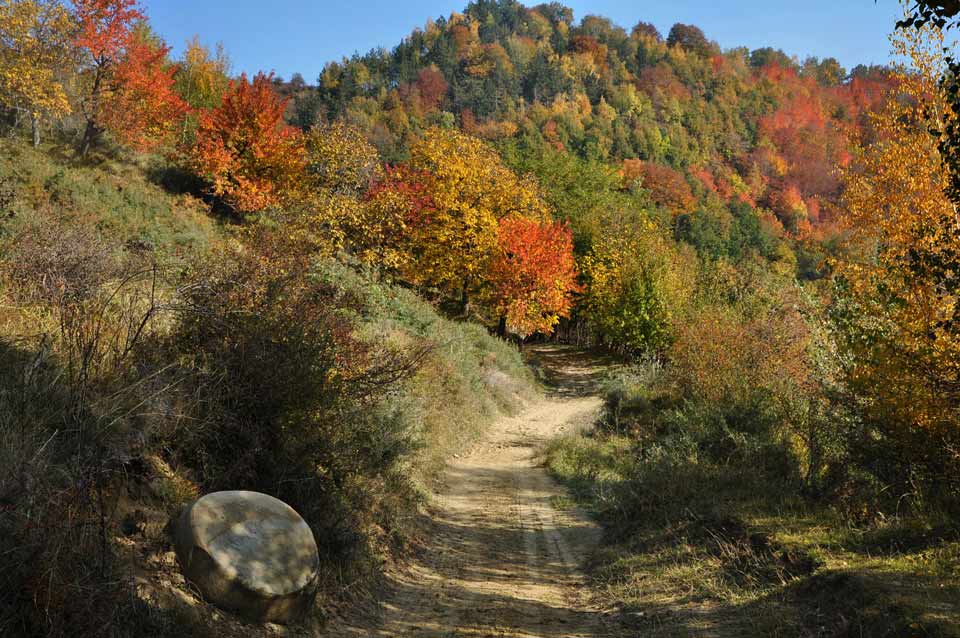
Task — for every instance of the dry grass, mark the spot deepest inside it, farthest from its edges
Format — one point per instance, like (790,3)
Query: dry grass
(714,552)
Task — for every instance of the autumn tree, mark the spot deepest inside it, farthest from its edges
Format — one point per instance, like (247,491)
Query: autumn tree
(943,14)
(201,79)
(397,201)
(768,57)
(638,284)
(647,30)
(533,275)
(789,207)
(244,149)
(471,191)
(666,187)
(339,158)
(105,31)
(143,109)
(34,58)
(202,76)
(333,209)
(432,87)
(897,304)
(690,38)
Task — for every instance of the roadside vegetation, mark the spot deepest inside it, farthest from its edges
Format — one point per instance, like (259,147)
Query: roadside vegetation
(779,468)
(705,535)
(150,356)
(211,281)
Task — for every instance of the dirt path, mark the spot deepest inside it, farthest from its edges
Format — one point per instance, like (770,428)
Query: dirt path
(501,559)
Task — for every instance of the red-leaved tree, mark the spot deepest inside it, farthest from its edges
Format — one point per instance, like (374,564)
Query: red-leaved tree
(143,109)
(533,278)
(432,87)
(244,149)
(105,31)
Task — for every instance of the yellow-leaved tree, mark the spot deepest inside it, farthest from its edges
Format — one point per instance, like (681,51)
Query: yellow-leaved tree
(639,283)
(328,208)
(202,78)
(899,278)
(340,159)
(470,191)
(35,38)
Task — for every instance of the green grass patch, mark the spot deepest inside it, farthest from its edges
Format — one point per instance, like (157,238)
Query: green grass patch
(116,197)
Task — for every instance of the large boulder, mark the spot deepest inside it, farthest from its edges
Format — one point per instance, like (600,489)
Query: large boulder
(249,553)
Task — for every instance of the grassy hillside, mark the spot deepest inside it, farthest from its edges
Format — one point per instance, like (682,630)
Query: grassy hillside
(149,355)
(118,198)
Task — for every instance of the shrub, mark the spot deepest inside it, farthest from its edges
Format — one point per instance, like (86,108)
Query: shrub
(633,397)
(287,396)
(748,377)
(744,383)
(336,393)
(78,309)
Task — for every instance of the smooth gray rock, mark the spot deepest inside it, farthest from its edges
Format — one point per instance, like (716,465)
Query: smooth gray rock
(249,553)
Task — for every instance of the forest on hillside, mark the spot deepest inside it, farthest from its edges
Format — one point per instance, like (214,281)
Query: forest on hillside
(318,289)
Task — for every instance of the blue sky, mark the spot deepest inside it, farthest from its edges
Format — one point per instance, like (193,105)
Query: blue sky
(302,35)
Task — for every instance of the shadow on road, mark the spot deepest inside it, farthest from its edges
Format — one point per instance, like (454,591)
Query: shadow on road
(568,371)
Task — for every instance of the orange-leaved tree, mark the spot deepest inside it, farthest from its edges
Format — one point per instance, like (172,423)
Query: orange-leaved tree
(667,187)
(533,277)
(143,109)
(105,31)
(899,301)
(250,157)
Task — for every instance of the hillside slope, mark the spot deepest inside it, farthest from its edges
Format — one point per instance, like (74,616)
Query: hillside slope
(697,127)
(151,354)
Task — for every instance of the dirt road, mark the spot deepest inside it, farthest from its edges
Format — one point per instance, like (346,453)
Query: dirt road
(502,559)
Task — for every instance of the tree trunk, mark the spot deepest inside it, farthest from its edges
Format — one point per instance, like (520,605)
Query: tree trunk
(465,299)
(92,131)
(35,126)
(502,327)
(12,132)
(90,135)
(814,456)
